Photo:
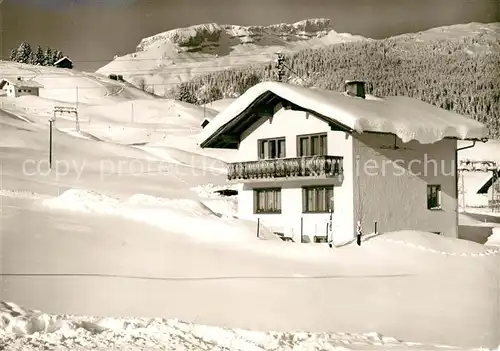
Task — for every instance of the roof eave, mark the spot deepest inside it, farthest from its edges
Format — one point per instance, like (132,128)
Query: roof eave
(213,141)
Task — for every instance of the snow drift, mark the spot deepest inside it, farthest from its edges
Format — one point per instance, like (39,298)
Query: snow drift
(410,119)
(494,238)
(26,329)
(181,216)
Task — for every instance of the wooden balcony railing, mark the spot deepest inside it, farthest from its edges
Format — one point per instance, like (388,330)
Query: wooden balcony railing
(314,166)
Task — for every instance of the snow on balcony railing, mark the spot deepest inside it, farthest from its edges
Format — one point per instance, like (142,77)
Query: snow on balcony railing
(314,166)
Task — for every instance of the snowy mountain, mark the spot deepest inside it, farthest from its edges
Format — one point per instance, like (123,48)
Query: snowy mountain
(174,56)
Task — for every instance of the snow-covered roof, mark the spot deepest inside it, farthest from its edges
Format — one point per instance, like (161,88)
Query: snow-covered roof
(29,83)
(408,118)
(63,59)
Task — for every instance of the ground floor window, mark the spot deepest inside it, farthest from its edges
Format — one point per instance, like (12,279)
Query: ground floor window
(433,197)
(267,200)
(317,199)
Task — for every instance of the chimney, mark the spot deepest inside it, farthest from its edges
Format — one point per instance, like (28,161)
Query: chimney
(19,78)
(355,88)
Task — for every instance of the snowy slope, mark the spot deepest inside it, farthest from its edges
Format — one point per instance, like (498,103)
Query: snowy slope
(489,151)
(169,58)
(220,105)
(108,110)
(71,86)
(453,33)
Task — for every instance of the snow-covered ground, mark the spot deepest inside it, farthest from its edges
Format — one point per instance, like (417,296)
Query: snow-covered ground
(397,284)
(35,330)
(126,224)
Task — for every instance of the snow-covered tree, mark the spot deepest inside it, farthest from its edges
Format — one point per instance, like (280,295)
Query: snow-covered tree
(186,94)
(48,57)
(23,53)
(13,55)
(39,56)
(32,60)
(57,55)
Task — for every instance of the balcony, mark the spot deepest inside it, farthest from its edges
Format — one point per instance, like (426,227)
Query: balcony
(300,167)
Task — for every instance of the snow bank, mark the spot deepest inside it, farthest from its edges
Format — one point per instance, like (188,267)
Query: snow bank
(182,216)
(410,119)
(34,330)
(226,206)
(494,238)
(434,243)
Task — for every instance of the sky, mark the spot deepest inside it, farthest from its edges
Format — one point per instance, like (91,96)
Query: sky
(91,32)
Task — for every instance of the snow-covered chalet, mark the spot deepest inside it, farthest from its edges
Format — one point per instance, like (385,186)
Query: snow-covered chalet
(20,87)
(319,165)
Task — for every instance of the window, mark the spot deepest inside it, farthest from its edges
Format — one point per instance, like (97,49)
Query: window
(433,197)
(271,148)
(317,199)
(312,145)
(267,200)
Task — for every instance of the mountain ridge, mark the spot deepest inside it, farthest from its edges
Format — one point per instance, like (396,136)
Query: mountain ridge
(211,32)
(166,59)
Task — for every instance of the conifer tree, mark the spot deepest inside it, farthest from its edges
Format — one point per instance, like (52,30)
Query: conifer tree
(39,56)
(185,94)
(48,57)
(24,53)
(57,56)
(13,55)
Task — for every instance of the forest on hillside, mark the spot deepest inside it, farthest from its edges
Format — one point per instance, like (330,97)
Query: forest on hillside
(25,54)
(461,75)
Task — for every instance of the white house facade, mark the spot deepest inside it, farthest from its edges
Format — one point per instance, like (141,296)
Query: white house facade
(314,164)
(20,87)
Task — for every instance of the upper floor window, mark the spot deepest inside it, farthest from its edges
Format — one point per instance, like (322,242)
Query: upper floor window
(433,197)
(271,148)
(312,145)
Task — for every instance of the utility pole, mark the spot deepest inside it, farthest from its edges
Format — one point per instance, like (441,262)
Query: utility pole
(77,122)
(280,66)
(51,122)
(132,113)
